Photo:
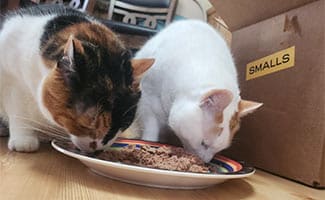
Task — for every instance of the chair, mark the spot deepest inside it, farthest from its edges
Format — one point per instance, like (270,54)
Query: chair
(133,36)
(82,5)
(145,13)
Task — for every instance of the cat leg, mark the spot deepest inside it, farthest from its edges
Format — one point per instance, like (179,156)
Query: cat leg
(133,131)
(148,119)
(150,124)
(148,129)
(151,129)
(21,138)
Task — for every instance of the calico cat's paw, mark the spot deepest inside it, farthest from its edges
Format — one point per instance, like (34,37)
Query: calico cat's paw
(24,144)
(4,131)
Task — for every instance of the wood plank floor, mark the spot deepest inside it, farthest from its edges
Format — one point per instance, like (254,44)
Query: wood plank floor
(48,174)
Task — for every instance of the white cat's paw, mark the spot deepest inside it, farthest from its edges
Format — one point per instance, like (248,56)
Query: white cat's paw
(24,144)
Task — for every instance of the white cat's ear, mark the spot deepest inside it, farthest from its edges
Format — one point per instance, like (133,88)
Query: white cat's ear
(140,66)
(246,107)
(216,100)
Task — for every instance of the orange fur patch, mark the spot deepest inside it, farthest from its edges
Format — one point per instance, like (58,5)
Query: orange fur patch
(234,124)
(234,121)
(139,67)
(219,118)
(55,98)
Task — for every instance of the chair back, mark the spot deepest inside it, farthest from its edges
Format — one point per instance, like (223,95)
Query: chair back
(142,12)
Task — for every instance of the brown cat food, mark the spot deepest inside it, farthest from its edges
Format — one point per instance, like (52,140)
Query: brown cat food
(165,157)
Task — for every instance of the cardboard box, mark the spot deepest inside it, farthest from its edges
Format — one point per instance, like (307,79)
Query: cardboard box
(215,20)
(239,14)
(287,135)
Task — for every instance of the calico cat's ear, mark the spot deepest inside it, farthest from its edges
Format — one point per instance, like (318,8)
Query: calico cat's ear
(69,48)
(216,101)
(246,107)
(66,62)
(139,67)
(66,65)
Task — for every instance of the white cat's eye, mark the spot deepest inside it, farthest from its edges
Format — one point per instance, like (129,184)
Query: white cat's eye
(204,144)
(218,130)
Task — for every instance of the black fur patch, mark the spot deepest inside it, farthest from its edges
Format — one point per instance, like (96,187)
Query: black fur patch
(65,18)
(59,23)
(89,85)
(123,114)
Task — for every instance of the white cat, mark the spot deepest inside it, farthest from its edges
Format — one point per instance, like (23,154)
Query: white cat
(191,89)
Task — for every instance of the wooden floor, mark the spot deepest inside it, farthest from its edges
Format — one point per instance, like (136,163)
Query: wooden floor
(48,174)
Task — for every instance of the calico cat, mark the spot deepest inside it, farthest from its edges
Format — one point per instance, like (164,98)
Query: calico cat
(191,89)
(63,72)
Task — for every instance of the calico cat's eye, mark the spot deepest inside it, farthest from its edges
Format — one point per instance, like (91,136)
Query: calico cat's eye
(109,84)
(217,129)
(84,127)
(65,63)
(107,106)
(64,60)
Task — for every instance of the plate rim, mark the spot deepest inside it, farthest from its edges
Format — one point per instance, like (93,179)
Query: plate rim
(84,158)
(160,186)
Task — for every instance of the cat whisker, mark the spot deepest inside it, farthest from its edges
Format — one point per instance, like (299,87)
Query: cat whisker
(41,124)
(99,101)
(98,110)
(128,110)
(99,106)
(47,133)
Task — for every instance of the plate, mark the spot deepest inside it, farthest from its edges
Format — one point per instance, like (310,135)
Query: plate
(227,169)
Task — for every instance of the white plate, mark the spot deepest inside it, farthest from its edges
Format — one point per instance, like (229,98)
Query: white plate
(155,177)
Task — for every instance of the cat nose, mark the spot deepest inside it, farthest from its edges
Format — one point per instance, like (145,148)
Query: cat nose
(93,145)
(86,144)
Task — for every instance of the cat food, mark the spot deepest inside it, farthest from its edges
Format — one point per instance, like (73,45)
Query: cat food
(165,157)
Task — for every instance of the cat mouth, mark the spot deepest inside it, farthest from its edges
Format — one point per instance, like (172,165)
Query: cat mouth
(87,144)
(93,145)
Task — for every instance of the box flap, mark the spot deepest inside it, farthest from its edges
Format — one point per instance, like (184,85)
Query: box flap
(238,14)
